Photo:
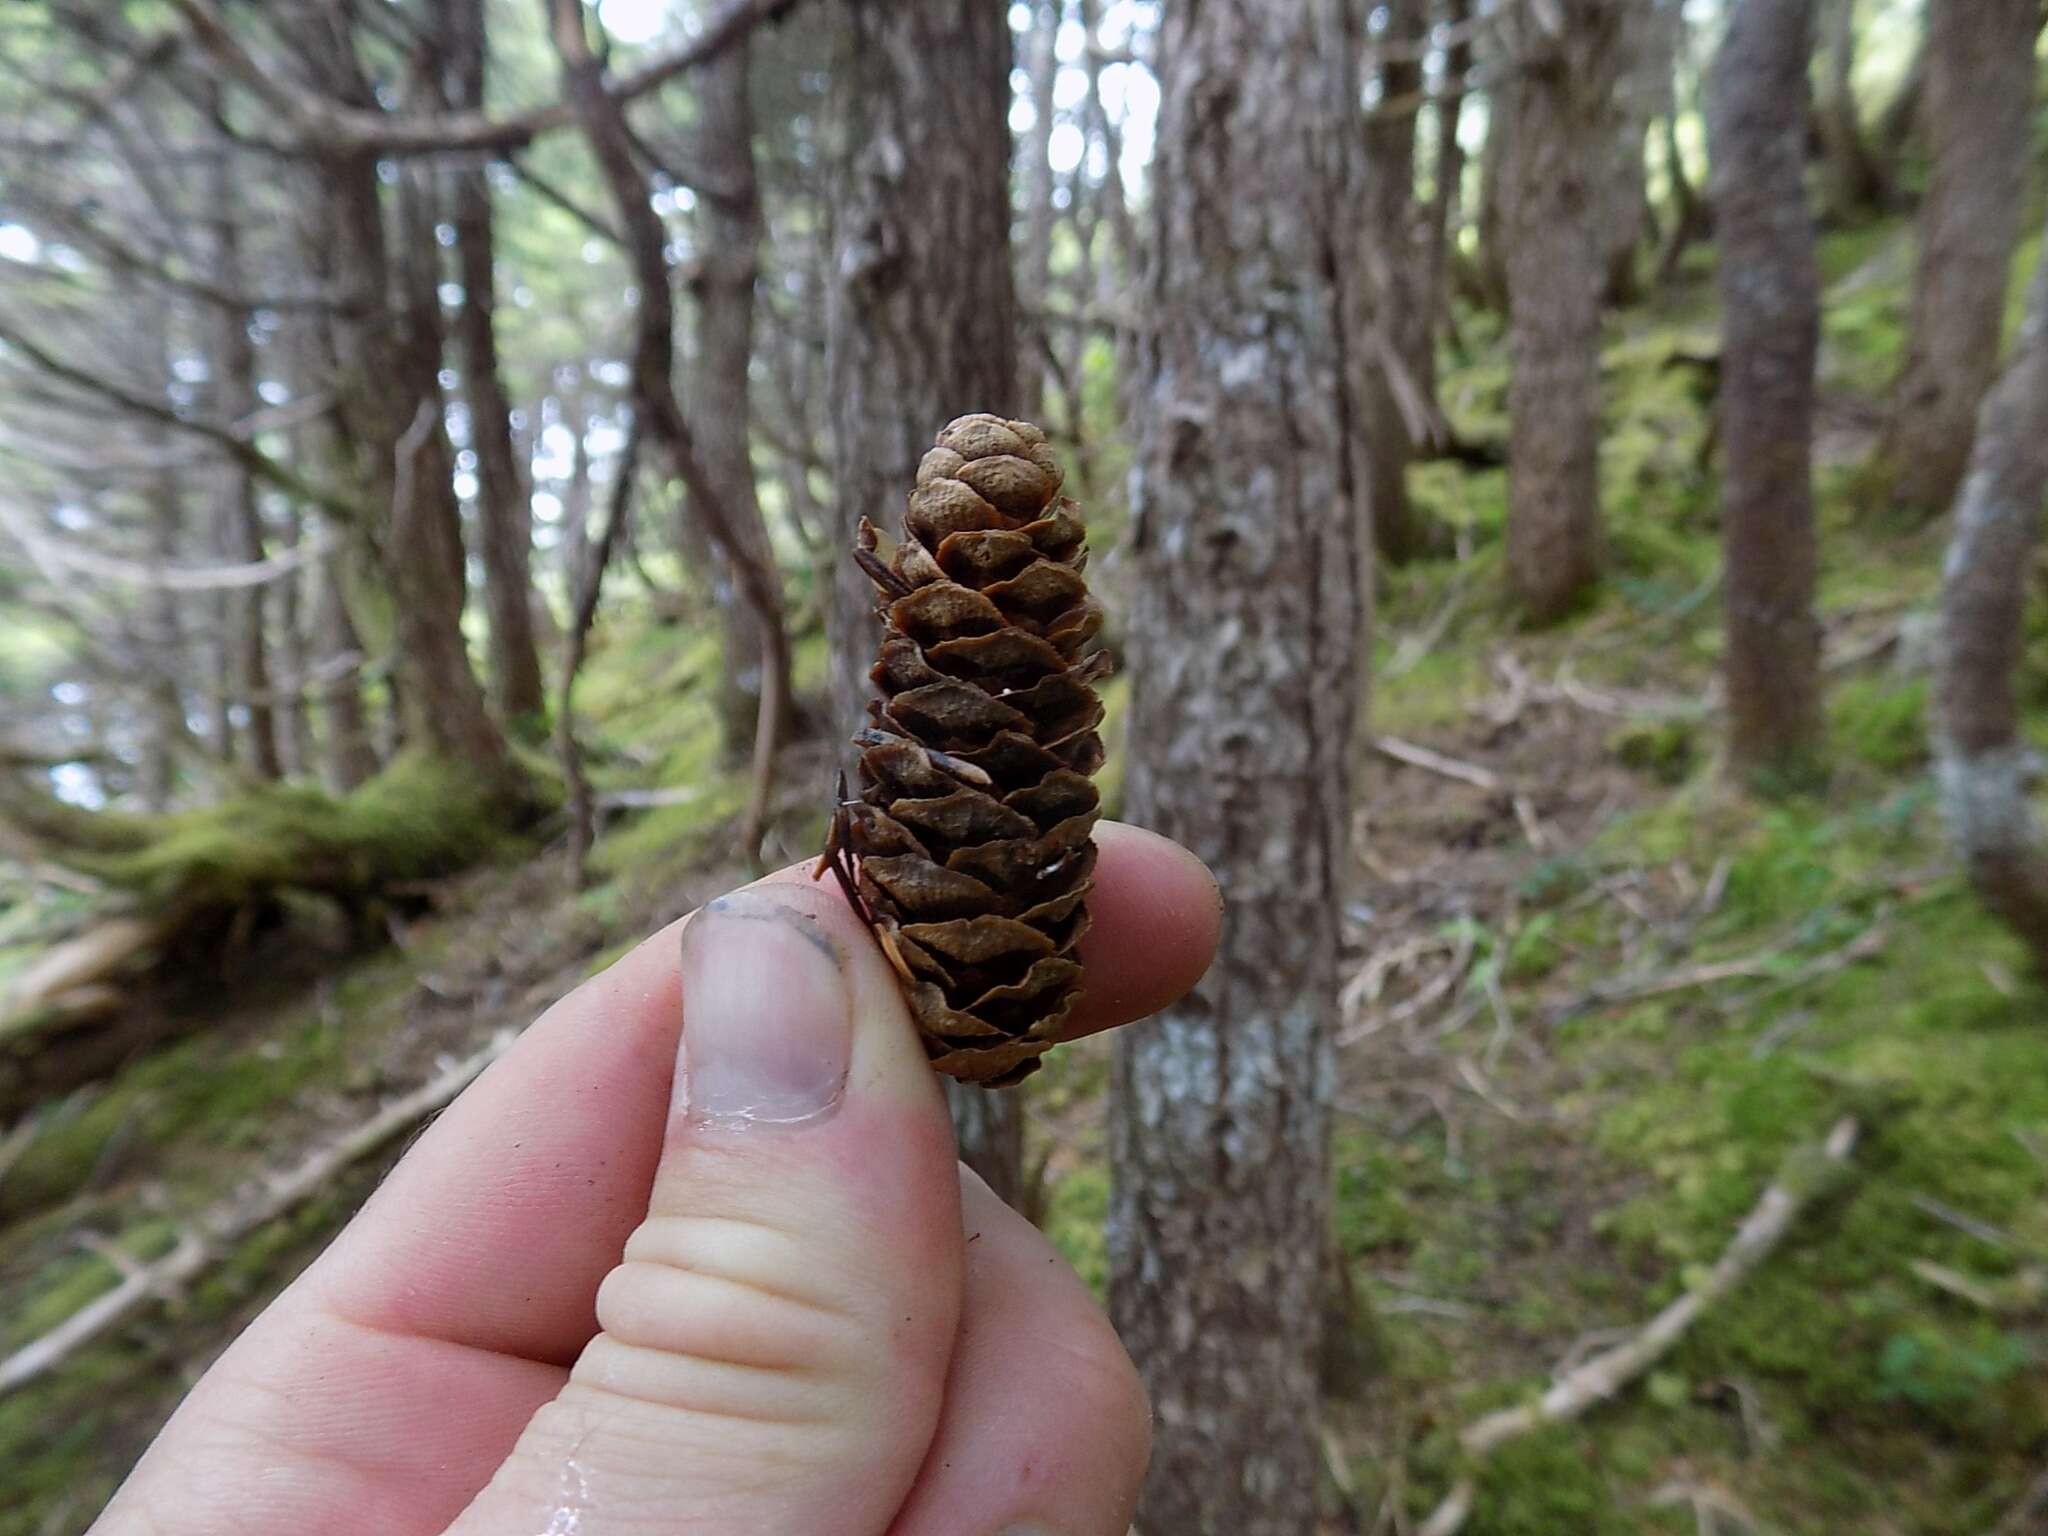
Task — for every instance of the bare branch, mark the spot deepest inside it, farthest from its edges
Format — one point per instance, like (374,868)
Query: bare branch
(1807,1174)
(237,447)
(64,554)
(240,1214)
(321,124)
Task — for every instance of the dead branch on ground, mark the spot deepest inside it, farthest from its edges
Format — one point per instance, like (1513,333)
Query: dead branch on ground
(208,1239)
(1808,1173)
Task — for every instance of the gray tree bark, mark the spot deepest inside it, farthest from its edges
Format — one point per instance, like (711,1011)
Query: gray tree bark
(344,752)
(163,633)
(1984,766)
(717,388)
(1397,329)
(1556,117)
(1446,206)
(657,407)
(1246,663)
(386,340)
(1978,102)
(921,317)
(1770,319)
(1854,178)
(347,755)
(239,526)
(287,602)
(504,513)
(1035,259)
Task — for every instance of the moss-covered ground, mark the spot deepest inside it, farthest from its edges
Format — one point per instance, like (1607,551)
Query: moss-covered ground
(1588,1032)
(1592,1011)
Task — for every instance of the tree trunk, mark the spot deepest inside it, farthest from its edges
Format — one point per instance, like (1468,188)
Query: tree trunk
(1900,119)
(289,595)
(334,678)
(504,514)
(425,561)
(722,283)
(347,756)
(1246,664)
(657,410)
(1854,181)
(1645,43)
(162,632)
(388,362)
(1490,270)
(1035,260)
(576,495)
(921,317)
(1984,765)
(240,526)
(1979,102)
(1770,307)
(1393,408)
(1691,218)
(1556,114)
(1445,208)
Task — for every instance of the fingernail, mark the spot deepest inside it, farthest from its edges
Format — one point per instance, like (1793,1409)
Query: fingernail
(767,1016)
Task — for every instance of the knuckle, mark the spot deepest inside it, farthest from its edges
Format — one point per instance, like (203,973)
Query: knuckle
(730,1292)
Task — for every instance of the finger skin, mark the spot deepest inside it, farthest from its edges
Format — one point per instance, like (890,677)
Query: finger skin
(1156,912)
(498,1226)
(1045,1427)
(493,1234)
(774,1345)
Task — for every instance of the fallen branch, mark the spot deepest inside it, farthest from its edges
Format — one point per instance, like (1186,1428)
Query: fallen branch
(1807,1173)
(208,1238)
(1436,762)
(68,982)
(1756,966)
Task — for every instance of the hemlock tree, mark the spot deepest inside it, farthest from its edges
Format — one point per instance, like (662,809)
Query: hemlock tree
(1245,659)
(504,513)
(1984,764)
(1770,321)
(921,325)
(1398,321)
(1557,117)
(728,260)
(1976,105)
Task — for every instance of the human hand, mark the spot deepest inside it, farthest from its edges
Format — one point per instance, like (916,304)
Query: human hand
(768,1303)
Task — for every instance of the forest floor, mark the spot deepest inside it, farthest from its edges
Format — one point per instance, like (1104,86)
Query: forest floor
(1597,997)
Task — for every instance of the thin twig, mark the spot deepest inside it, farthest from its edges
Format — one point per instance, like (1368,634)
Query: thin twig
(1436,762)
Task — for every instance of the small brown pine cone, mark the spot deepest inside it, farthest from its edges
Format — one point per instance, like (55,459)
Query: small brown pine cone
(970,834)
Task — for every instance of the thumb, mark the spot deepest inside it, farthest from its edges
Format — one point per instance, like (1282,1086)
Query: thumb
(775,1342)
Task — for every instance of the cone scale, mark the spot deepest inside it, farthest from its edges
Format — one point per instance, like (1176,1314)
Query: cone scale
(967,842)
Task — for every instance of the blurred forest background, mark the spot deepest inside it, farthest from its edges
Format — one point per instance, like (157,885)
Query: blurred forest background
(1564,476)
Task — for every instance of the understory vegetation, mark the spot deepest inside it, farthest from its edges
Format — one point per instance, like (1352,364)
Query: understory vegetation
(1599,997)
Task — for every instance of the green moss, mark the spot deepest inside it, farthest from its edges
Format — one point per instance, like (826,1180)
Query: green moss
(1663,749)
(1077,1208)
(1881,722)
(1373,1192)
(1545,1484)
(218,1091)
(421,816)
